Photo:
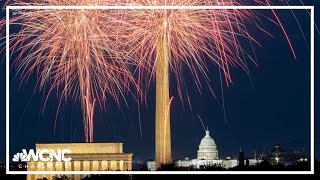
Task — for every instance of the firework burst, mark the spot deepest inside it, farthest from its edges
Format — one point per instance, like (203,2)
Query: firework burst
(87,52)
(192,38)
(166,40)
(72,50)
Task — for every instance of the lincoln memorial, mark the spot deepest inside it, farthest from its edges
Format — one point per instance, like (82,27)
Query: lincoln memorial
(85,157)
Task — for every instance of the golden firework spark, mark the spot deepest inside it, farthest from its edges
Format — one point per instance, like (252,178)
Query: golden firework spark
(87,52)
(72,50)
(166,40)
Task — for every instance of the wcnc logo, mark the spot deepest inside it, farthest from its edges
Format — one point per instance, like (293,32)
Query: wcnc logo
(42,155)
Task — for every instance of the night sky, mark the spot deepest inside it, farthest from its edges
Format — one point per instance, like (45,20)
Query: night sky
(272,107)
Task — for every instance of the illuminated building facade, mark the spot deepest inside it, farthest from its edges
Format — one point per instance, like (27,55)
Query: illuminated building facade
(85,157)
(278,155)
(207,155)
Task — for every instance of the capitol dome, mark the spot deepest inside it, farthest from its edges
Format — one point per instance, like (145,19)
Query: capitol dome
(207,148)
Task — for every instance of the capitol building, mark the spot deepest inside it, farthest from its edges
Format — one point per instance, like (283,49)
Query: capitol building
(208,148)
(207,155)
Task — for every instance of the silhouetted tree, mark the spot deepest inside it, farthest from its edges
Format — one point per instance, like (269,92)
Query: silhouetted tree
(168,167)
(300,166)
(42,178)
(61,177)
(266,166)
(107,176)
(211,167)
(142,167)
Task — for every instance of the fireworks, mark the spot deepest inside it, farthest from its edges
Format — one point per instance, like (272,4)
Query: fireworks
(88,53)
(193,38)
(165,40)
(72,50)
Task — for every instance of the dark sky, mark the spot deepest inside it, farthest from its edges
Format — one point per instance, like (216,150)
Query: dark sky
(272,108)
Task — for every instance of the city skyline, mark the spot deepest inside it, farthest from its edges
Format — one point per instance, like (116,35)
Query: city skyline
(271,106)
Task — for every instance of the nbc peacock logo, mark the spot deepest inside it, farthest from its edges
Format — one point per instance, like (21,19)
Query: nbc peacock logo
(42,155)
(20,157)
